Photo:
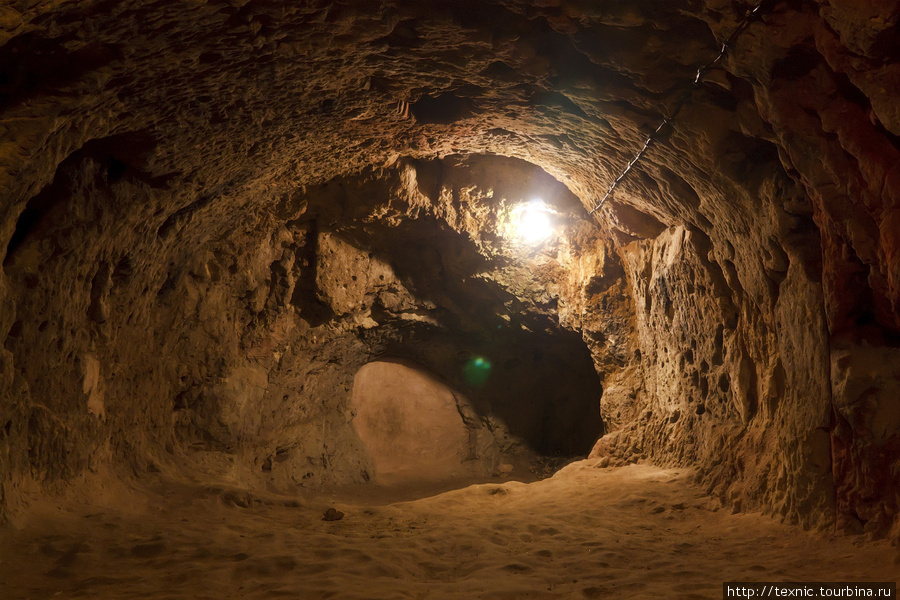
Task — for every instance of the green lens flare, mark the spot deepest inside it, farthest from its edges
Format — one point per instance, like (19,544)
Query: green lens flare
(477,370)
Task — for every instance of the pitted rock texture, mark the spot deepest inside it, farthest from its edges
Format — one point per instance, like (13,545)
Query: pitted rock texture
(214,214)
(260,333)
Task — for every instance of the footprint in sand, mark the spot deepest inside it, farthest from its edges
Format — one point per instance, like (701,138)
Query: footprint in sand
(517,568)
(148,550)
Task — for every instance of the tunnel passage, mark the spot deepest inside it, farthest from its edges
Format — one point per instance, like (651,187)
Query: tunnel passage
(519,399)
(439,290)
(537,390)
(264,326)
(183,208)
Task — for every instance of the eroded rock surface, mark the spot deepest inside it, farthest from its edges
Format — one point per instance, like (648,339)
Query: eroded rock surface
(215,214)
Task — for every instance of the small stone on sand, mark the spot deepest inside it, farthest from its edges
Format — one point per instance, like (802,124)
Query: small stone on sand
(332,514)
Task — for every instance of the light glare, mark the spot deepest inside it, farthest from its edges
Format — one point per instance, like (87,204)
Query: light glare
(534,223)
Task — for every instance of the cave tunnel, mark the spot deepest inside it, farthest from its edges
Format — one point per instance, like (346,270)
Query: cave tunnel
(475,299)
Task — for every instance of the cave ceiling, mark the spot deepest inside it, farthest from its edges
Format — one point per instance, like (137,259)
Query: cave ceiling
(175,175)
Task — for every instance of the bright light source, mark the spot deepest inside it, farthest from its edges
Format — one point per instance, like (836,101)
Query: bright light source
(533,224)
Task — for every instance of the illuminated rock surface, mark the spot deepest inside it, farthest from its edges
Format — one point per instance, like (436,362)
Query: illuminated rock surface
(214,214)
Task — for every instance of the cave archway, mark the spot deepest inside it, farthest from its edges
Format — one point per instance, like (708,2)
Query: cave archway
(215,214)
(449,286)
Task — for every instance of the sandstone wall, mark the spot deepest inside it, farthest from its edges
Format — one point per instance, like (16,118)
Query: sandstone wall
(796,263)
(157,161)
(226,343)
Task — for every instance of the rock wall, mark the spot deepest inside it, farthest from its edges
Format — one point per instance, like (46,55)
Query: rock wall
(185,189)
(743,393)
(228,345)
(789,276)
(416,429)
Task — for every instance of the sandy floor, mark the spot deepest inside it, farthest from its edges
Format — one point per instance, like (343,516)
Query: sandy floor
(632,532)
